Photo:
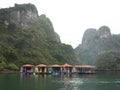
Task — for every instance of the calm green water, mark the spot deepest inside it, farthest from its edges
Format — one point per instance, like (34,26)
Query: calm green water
(106,81)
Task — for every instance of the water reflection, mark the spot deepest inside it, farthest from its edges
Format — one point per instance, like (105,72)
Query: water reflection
(50,82)
(33,82)
(70,82)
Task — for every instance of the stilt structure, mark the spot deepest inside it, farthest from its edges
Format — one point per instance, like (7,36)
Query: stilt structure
(27,69)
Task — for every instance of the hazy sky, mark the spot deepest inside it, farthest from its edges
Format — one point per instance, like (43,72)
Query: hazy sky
(71,18)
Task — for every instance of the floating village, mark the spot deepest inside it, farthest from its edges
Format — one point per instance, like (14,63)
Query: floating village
(29,69)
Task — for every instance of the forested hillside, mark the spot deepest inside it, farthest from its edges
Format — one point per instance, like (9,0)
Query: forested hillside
(100,48)
(26,37)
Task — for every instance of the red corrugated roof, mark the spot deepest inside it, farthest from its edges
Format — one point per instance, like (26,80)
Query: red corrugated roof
(56,65)
(27,65)
(85,66)
(66,65)
(41,65)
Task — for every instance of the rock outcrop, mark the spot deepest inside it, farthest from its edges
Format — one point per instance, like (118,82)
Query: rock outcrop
(89,35)
(24,17)
(26,37)
(95,42)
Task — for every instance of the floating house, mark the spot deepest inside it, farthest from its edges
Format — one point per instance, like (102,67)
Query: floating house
(27,69)
(84,69)
(41,69)
(56,69)
(66,68)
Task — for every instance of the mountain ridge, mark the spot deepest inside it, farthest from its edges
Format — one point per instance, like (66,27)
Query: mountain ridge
(26,37)
(99,43)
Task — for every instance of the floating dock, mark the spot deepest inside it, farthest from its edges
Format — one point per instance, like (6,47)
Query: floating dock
(29,69)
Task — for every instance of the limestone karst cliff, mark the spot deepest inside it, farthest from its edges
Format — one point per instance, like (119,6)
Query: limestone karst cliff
(26,37)
(95,42)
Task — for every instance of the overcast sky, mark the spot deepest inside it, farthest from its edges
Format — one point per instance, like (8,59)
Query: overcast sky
(71,18)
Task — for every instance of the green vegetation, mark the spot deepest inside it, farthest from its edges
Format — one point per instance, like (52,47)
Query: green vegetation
(87,50)
(2,65)
(12,66)
(108,60)
(100,48)
(34,45)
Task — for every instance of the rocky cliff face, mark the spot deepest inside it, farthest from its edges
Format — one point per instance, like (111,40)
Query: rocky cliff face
(26,37)
(24,17)
(93,34)
(104,32)
(89,35)
(47,28)
(95,42)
